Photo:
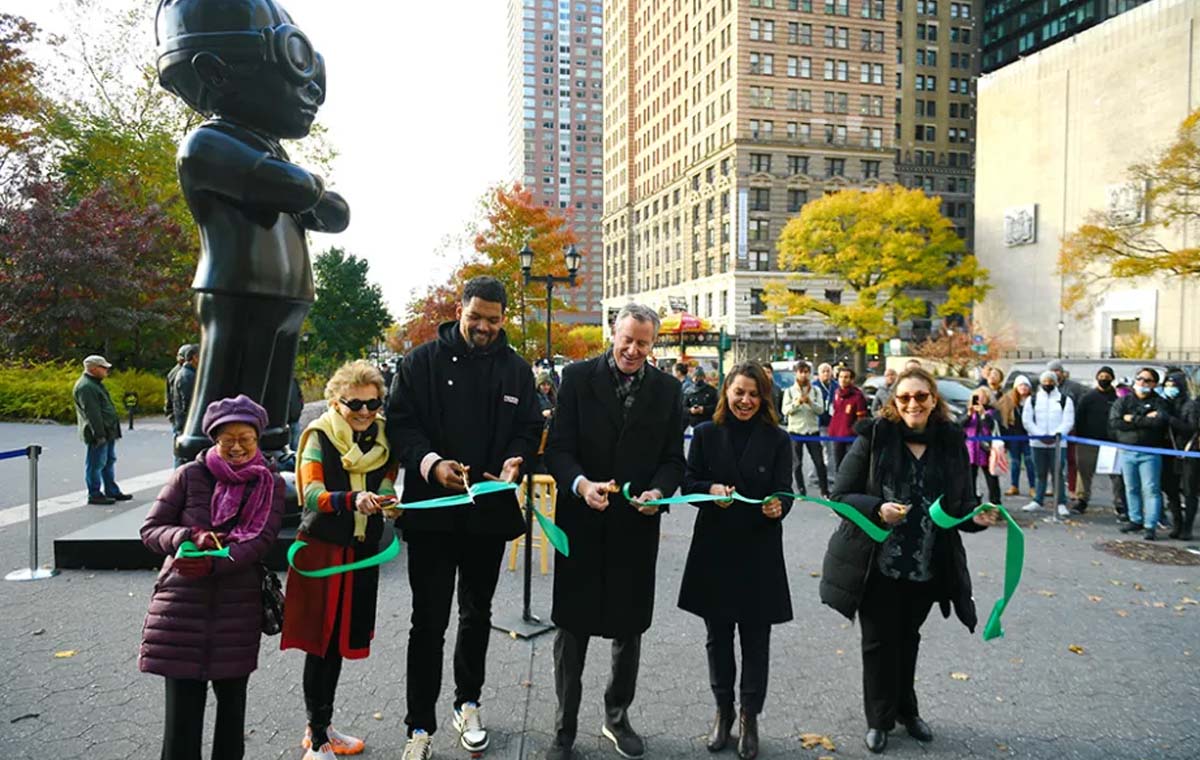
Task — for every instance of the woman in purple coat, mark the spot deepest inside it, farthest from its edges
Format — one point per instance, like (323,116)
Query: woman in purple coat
(205,617)
(982,420)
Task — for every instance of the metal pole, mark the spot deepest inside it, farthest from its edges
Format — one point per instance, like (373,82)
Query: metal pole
(526,614)
(1058,495)
(549,307)
(33,572)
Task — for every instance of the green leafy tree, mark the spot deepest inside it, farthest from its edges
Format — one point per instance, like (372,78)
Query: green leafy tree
(886,245)
(349,315)
(1110,246)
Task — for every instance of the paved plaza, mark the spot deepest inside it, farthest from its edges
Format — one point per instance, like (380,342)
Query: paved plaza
(1131,692)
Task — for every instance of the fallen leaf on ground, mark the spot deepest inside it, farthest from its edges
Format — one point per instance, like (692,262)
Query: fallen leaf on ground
(1180,608)
(1002,747)
(841,652)
(960,676)
(1075,648)
(1122,613)
(1160,605)
(814,574)
(378,716)
(812,741)
(38,632)
(1096,562)
(1046,593)
(1138,587)
(66,653)
(1017,660)
(1188,600)
(1117,583)
(1094,598)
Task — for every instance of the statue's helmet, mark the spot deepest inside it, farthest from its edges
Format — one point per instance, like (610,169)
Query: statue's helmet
(244,34)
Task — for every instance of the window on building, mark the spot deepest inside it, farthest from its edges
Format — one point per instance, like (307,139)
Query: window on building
(757,305)
(760,199)
(759,162)
(835,167)
(870,169)
(797,165)
(796,199)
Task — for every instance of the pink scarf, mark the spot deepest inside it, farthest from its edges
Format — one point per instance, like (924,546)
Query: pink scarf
(231,485)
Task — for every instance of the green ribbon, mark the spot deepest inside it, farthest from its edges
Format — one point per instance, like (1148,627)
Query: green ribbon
(387,555)
(553,534)
(1014,558)
(875,532)
(476,490)
(188,550)
(1014,550)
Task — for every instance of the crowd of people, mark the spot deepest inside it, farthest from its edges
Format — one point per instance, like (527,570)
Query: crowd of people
(465,408)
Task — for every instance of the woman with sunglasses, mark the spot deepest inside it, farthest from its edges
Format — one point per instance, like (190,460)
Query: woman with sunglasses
(345,477)
(900,464)
(735,576)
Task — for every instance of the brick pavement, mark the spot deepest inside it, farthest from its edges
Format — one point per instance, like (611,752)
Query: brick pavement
(1131,694)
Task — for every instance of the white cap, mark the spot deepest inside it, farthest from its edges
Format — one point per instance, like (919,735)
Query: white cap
(96,360)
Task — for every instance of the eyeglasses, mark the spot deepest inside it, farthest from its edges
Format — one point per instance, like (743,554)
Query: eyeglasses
(245,441)
(904,399)
(357,404)
(1145,379)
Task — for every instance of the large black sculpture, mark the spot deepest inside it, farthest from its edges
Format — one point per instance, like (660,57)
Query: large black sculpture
(245,65)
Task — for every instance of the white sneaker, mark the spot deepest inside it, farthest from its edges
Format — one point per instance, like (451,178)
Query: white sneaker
(324,753)
(418,747)
(1063,511)
(1032,506)
(468,721)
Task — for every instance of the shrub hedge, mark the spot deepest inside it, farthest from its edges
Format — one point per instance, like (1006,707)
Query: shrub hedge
(43,391)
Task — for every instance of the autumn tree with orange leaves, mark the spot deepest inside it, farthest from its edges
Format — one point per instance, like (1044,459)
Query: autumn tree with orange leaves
(512,218)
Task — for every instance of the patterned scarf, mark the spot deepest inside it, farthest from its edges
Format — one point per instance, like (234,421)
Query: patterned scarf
(626,386)
(231,485)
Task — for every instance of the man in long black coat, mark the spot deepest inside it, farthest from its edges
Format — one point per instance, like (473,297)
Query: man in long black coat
(462,409)
(618,421)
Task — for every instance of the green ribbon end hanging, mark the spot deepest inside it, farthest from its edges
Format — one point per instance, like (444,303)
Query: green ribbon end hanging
(189,550)
(387,555)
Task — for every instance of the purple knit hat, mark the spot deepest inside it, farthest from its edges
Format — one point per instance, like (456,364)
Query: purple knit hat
(241,408)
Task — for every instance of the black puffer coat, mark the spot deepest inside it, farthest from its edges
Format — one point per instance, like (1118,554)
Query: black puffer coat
(850,554)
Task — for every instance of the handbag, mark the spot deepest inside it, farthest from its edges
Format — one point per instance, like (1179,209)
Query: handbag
(272,601)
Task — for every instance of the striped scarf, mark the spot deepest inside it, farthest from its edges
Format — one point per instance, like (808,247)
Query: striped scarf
(626,386)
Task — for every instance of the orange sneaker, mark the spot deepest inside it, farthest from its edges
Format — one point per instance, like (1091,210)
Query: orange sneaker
(340,743)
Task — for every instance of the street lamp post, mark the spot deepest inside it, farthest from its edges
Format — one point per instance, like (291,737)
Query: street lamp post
(530,625)
(1061,326)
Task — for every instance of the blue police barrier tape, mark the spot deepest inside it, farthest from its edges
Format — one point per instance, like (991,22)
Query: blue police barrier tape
(1131,447)
(14,454)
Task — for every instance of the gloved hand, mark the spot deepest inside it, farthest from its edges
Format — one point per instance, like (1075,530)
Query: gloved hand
(193,567)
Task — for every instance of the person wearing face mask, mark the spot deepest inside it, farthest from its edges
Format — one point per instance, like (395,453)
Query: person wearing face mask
(345,478)
(827,385)
(1073,390)
(981,420)
(1091,421)
(617,423)
(1048,413)
(1179,431)
(462,410)
(1141,419)
(735,576)
(1019,452)
(1191,469)
(901,462)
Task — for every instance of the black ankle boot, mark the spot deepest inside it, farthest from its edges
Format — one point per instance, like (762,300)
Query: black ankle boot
(747,748)
(1176,523)
(718,738)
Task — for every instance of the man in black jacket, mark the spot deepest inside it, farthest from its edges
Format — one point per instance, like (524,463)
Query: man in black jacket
(462,410)
(183,388)
(701,401)
(1140,419)
(1091,421)
(617,422)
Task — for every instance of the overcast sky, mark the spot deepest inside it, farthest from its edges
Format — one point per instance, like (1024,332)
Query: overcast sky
(415,107)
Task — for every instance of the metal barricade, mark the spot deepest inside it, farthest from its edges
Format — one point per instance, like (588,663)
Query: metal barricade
(33,572)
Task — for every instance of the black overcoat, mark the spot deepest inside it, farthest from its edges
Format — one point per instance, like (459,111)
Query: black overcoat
(606,587)
(850,554)
(735,568)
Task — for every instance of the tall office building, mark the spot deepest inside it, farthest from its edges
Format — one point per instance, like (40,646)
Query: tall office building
(721,119)
(1015,28)
(936,68)
(555,125)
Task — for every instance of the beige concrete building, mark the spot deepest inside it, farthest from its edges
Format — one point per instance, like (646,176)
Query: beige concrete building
(937,63)
(721,119)
(1057,130)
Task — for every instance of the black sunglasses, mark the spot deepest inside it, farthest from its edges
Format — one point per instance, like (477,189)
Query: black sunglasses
(357,404)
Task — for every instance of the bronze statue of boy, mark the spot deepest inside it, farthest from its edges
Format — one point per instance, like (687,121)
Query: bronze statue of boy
(246,66)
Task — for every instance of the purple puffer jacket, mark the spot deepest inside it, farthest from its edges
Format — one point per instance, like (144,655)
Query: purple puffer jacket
(204,628)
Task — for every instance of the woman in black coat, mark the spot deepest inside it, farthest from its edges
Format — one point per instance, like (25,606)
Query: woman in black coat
(901,462)
(735,574)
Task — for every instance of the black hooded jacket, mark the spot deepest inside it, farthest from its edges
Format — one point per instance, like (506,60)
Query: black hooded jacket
(475,406)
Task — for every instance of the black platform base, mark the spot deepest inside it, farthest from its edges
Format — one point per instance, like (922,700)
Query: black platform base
(116,544)
(515,625)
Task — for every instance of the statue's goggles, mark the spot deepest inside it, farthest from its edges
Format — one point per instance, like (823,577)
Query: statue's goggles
(284,45)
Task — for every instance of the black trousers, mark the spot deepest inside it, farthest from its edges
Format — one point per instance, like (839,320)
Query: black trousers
(891,615)
(840,450)
(1172,487)
(434,559)
(1190,478)
(182,734)
(320,686)
(756,654)
(993,483)
(570,653)
(818,459)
